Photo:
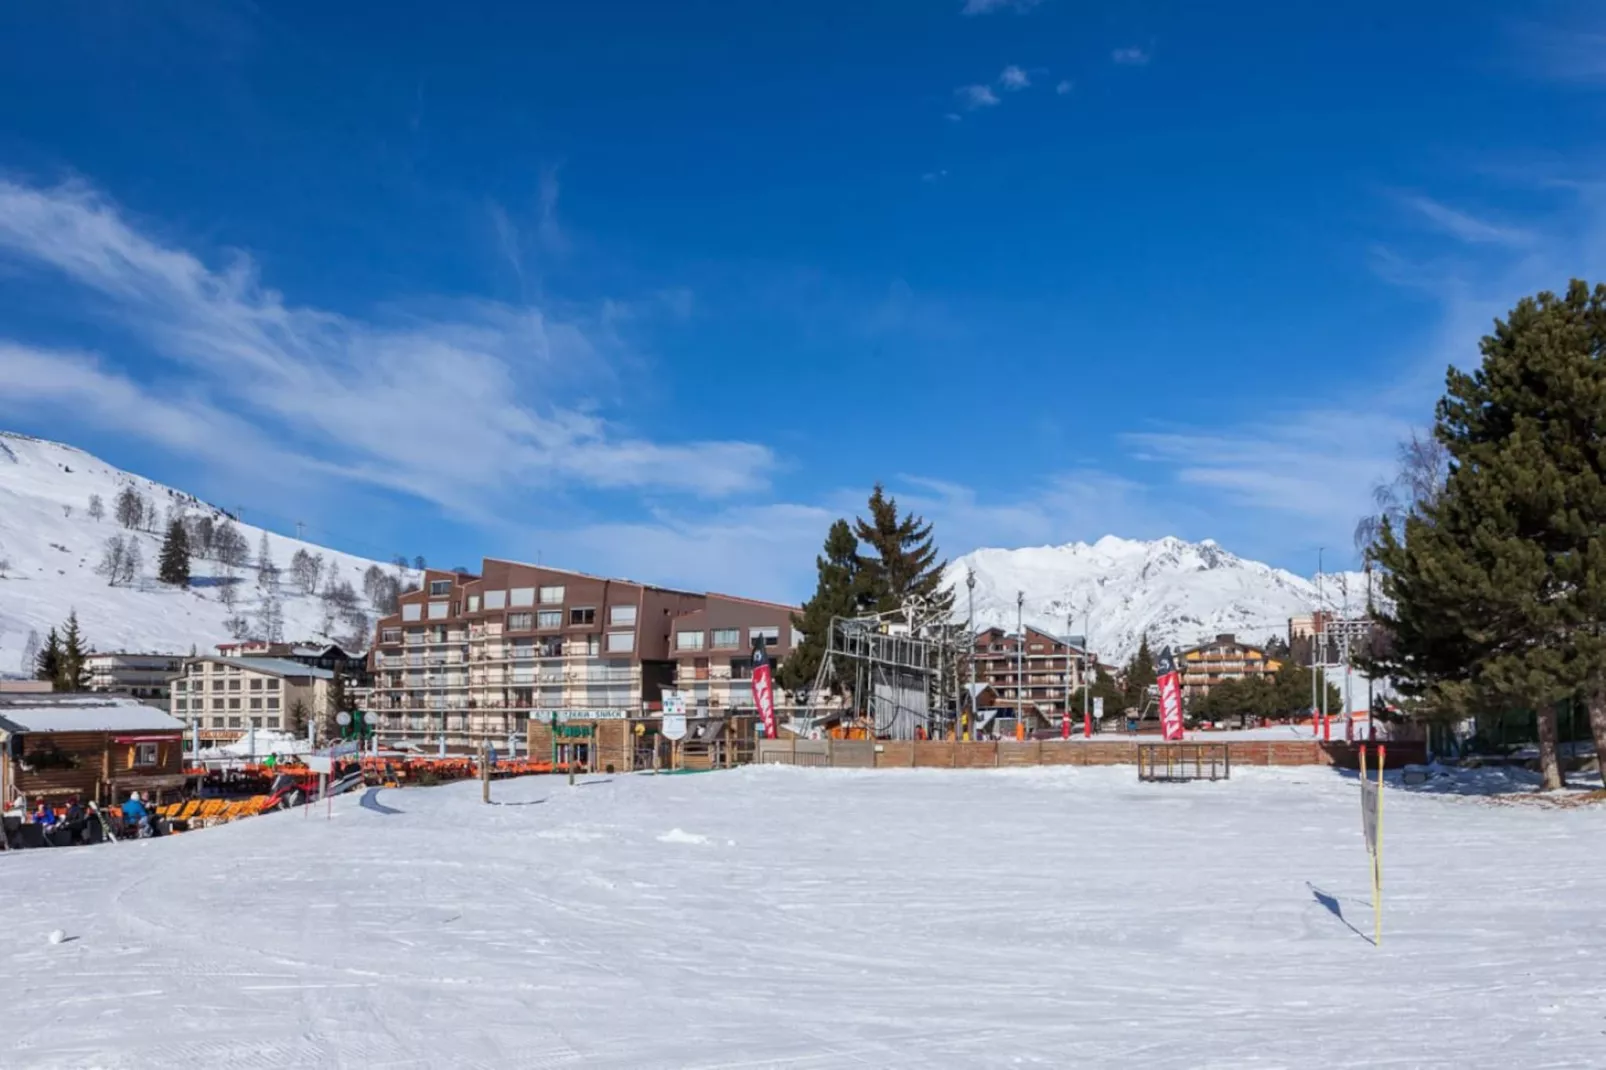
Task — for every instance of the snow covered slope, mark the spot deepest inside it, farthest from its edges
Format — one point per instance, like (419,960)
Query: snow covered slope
(51,547)
(1119,590)
(817,919)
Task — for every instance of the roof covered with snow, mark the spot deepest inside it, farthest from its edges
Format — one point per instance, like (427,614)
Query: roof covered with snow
(276,666)
(81,713)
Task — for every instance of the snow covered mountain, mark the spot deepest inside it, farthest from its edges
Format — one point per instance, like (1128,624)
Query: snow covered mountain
(51,548)
(1119,590)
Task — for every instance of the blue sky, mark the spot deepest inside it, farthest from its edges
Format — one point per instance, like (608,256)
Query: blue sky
(660,289)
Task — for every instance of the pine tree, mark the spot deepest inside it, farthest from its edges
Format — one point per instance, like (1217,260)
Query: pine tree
(1499,583)
(72,670)
(1139,676)
(904,563)
(297,724)
(837,594)
(174,566)
(47,666)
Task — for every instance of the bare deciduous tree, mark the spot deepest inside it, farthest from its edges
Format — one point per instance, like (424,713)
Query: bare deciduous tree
(97,510)
(1423,466)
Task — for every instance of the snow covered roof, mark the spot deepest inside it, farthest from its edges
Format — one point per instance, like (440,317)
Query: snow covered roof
(275,666)
(81,713)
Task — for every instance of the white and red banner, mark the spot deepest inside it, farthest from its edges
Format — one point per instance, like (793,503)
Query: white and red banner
(1169,685)
(764,688)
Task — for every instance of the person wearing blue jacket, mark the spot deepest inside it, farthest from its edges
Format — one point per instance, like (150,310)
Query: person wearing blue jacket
(135,816)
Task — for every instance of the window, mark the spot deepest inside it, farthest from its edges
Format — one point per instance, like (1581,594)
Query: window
(412,611)
(234,722)
(473,603)
(234,685)
(390,635)
(256,683)
(552,596)
(439,610)
(549,618)
(256,704)
(273,702)
(771,636)
(495,599)
(217,685)
(727,637)
(439,587)
(181,704)
(688,640)
(217,704)
(620,616)
(621,642)
(234,703)
(521,596)
(583,615)
(234,670)
(217,722)
(741,668)
(273,683)
(273,722)
(519,622)
(180,685)
(256,722)
(144,754)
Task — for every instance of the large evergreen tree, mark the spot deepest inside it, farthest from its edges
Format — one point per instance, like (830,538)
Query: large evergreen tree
(72,669)
(902,563)
(1499,584)
(174,563)
(47,665)
(1139,676)
(837,594)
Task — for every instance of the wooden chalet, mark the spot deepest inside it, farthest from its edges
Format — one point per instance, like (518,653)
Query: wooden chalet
(93,746)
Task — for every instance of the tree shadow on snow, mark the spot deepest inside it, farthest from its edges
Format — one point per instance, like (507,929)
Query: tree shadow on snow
(1335,908)
(526,802)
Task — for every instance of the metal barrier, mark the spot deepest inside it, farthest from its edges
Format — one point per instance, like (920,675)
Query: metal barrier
(1169,762)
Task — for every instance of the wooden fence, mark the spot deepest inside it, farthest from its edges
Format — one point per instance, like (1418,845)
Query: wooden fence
(893,754)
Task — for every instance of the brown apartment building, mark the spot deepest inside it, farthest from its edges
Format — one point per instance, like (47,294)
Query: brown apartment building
(1051,663)
(1223,658)
(472,658)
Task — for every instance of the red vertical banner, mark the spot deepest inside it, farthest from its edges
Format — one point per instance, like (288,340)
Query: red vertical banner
(764,688)
(1169,684)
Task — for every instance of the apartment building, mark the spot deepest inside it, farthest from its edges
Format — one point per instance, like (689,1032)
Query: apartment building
(713,648)
(469,658)
(141,676)
(1223,658)
(1051,663)
(222,697)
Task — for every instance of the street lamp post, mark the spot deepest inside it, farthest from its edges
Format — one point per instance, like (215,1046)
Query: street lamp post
(1020,665)
(1065,721)
(970,626)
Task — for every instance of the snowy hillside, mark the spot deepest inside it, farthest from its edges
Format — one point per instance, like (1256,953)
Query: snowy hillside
(52,547)
(1118,590)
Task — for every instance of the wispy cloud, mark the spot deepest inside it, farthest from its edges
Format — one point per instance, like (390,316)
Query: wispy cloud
(1064,87)
(987,7)
(1014,78)
(973,97)
(1130,57)
(1565,53)
(1466,227)
(467,411)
